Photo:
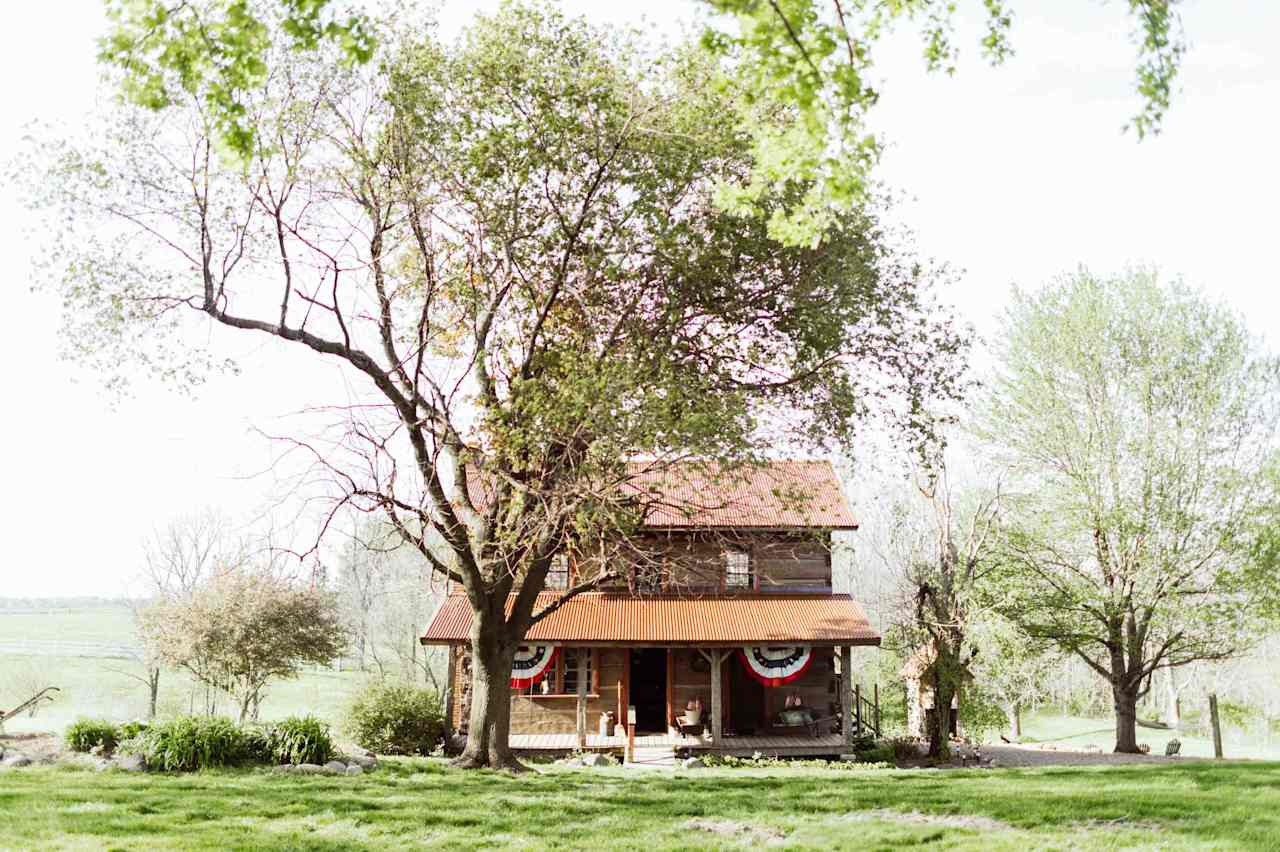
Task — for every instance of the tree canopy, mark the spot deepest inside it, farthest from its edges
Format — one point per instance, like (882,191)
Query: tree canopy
(808,59)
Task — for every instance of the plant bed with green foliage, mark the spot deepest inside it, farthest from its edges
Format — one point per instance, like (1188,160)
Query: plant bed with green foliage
(421,802)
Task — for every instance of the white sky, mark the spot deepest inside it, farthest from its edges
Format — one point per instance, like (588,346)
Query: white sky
(1013,175)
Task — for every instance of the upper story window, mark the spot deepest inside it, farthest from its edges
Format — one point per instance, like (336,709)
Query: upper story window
(737,570)
(558,575)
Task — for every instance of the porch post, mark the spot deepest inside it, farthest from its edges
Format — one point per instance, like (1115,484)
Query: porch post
(717,714)
(846,693)
(582,700)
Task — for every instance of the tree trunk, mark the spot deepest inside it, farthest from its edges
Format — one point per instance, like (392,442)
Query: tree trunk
(1126,707)
(489,726)
(153,684)
(1174,710)
(1014,712)
(940,722)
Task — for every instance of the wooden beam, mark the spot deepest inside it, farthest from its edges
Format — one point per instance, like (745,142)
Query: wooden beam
(451,676)
(717,699)
(846,693)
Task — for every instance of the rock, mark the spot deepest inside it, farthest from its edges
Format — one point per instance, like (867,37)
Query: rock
(1172,747)
(570,761)
(15,760)
(595,760)
(309,768)
(101,765)
(335,767)
(284,768)
(364,761)
(132,763)
(993,763)
(694,763)
(354,769)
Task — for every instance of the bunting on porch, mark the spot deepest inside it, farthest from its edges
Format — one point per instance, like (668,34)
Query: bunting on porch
(531,664)
(776,665)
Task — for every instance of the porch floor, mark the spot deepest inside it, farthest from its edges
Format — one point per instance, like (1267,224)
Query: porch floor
(742,746)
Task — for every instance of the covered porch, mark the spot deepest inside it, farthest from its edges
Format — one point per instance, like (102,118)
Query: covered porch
(750,673)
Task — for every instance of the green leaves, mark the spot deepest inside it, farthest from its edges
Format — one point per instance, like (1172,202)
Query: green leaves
(216,51)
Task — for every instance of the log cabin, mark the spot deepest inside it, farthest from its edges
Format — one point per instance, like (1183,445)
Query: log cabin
(737,643)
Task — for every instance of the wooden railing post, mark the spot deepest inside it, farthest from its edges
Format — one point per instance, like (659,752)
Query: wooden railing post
(876,693)
(857,703)
(582,700)
(717,699)
(631,734)
(846,693)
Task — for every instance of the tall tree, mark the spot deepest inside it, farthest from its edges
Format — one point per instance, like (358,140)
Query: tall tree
(939,548)
(1140,417)
(511,240)
(812,59)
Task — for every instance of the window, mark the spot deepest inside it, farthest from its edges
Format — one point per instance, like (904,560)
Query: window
(737,570)
(570,664)
(558,575)
(577,664)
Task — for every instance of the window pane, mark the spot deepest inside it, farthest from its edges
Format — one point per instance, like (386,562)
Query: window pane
(577,663)
(558,576)
(737,569)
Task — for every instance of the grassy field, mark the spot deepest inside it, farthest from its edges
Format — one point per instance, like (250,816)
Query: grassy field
(1078,731)
(102,687)
(420,803)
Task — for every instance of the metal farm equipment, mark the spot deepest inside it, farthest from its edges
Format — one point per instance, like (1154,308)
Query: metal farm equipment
(30,704)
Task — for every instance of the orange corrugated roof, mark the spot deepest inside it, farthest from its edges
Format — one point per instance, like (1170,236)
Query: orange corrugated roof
(623,619)
(779,494)
(791,493)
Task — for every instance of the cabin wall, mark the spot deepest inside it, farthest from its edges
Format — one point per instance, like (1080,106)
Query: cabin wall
(780,561)
(546,714)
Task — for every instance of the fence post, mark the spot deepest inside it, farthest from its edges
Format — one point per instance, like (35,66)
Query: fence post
(1217,728)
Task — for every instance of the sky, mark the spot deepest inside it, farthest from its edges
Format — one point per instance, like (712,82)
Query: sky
(1011,176)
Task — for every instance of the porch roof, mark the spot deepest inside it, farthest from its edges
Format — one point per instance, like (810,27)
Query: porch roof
(601,618)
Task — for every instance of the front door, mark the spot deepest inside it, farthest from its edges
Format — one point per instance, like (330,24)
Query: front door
(649,689)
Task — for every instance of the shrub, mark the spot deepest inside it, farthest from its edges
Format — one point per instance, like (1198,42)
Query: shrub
(129,730)
(767,761)
(297,739)
(904,748)
(88,734)
(396,718)
(194,742)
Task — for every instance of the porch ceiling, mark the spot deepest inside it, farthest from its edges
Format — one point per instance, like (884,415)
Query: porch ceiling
(606,619)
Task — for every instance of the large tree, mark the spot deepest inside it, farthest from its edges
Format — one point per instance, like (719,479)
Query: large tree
(1139,417)
(512,241)
(813,58)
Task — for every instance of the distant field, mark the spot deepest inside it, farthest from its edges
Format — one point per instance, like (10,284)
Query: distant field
(56,648)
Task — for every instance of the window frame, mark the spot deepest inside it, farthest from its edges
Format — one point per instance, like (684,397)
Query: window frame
(556,677)
(558,560)
(752,581)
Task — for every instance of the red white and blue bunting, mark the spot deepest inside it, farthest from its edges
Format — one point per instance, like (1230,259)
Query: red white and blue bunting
(531,664)
(776,665)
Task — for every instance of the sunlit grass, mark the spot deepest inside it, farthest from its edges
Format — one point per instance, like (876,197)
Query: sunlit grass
(415,803)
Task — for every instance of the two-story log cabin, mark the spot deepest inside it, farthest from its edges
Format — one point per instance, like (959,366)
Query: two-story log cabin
(734,644)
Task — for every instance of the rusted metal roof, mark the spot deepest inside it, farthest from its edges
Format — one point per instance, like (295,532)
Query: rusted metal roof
(605,618)
(779,494)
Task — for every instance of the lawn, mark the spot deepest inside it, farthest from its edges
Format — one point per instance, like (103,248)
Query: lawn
(1078,732)
(420,802)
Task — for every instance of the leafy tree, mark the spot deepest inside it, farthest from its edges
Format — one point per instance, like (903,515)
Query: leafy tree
(1140,417)
(512,242)
(239,629)
(1009,667)
(810,60)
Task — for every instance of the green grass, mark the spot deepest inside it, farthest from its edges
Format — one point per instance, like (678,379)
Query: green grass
(109,624)
(1078,731)
(420,803)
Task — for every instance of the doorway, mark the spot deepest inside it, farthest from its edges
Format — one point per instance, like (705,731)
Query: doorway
(648,692)
(746,696)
